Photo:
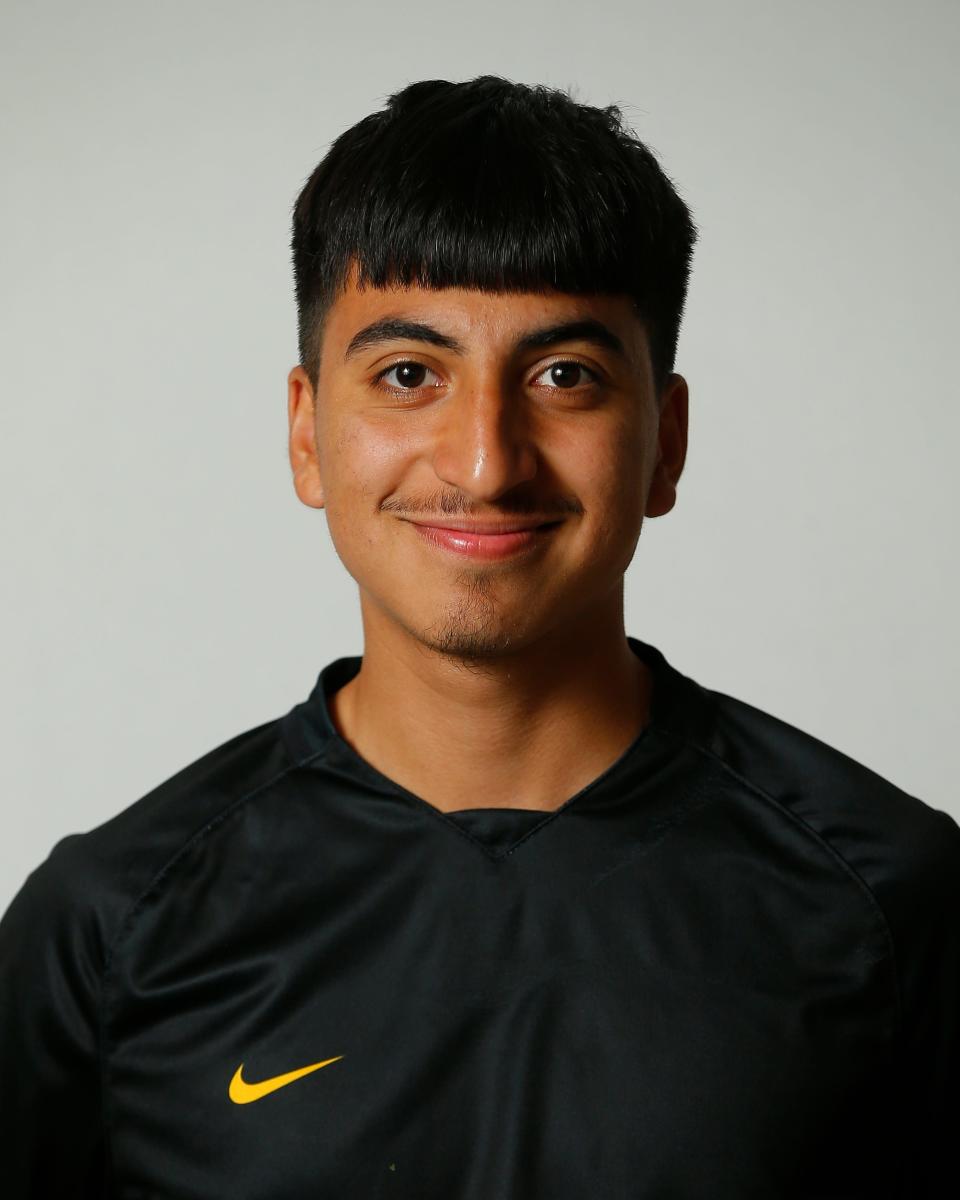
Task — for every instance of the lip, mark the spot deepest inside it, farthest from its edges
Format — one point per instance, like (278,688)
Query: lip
(503,525)
(474,543)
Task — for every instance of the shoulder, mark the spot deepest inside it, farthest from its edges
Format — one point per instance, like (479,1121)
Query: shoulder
(89,881)
(904,849)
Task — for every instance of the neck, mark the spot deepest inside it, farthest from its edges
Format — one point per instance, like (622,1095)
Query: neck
(525,730)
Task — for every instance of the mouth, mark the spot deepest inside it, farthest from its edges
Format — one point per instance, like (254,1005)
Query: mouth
(491,546)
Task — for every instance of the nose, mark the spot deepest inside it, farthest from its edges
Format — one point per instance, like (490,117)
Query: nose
(482,443)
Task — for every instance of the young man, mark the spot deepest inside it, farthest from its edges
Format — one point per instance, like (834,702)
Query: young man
(508,908)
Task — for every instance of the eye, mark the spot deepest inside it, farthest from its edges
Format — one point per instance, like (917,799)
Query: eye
(564,373)
(409,375)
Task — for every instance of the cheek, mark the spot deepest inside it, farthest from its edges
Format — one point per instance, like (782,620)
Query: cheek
(357,461)
(614,495)
(611,470)
(361,468)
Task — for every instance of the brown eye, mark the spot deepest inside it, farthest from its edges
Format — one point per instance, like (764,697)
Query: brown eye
(410,375)
(566,374)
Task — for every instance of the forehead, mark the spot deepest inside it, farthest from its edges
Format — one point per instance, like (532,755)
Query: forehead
(474,319)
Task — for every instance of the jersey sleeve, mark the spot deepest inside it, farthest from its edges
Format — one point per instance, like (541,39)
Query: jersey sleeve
(928,959)
(51,960)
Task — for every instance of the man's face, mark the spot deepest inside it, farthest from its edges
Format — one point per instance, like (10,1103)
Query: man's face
(485,428)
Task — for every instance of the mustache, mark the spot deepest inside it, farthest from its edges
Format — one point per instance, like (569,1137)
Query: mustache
(456,506)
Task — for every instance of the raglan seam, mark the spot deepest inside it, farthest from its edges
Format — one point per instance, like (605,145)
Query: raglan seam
(831,849)
(127,920)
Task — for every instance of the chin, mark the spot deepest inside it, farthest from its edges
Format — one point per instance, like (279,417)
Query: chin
(469,636)
(471,645)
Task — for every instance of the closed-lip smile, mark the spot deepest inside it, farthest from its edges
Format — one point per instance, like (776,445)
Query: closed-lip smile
(490,540)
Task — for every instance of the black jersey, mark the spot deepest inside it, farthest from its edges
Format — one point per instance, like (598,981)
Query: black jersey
(727,967)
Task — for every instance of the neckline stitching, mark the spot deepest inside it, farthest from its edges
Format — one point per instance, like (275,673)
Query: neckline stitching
(341,747)
(660,722)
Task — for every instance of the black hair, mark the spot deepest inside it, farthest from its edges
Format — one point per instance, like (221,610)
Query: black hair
(499,186)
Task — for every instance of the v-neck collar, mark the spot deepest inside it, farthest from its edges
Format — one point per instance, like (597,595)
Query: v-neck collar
(680,711)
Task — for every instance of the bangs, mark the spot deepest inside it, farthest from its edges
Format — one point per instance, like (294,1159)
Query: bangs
(494,188)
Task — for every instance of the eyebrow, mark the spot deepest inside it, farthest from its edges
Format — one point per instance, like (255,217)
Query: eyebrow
(392,328)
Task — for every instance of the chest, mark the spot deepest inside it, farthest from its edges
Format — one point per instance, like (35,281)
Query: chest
(640,1032)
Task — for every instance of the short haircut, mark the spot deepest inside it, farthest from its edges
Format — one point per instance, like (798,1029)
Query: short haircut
(498,186)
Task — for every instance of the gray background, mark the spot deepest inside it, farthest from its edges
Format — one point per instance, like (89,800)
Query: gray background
(163,587)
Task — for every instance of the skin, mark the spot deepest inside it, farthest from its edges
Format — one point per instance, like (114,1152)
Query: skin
(488,684)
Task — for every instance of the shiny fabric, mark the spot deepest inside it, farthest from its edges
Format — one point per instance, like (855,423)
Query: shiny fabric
(728,967)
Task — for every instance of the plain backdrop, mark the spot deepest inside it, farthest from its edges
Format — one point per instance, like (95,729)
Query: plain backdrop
(164,589)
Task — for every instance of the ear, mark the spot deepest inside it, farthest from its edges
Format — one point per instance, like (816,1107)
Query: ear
(672,445)
(304,461)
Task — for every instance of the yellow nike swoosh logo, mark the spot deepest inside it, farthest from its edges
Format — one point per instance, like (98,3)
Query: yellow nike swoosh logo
(241,1092)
